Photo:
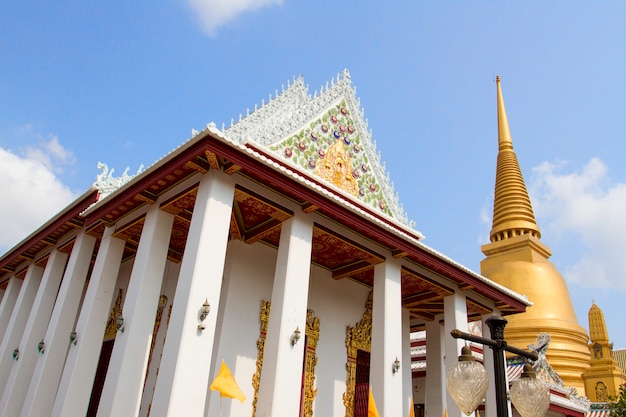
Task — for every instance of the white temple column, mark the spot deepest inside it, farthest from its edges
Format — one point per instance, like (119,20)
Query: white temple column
(8,303)
(22,370)
(281,377)
(121,394)
(407,372)
(491,407)
(183,380)
(17,322)
(455,317)
(435,386)
(387,338)
(45,381)
(72,397)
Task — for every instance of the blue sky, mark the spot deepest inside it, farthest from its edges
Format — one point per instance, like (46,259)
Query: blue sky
(124,84)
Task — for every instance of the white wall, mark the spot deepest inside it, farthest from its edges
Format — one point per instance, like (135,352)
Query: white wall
(248,279)
(338,304)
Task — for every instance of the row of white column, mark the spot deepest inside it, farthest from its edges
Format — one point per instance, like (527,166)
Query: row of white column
(58,380)
(442,351)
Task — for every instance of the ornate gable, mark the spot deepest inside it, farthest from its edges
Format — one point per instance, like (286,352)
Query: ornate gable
(327,137)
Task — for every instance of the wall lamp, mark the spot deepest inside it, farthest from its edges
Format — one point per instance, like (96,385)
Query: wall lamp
(204,312)
(119,323)
(396,366)
(162,302)
(41,347)
(296,336)
(73,337)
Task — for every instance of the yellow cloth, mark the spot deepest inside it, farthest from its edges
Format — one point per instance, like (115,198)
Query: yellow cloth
(445,412)
(371,406)
(225,383)
(412,409)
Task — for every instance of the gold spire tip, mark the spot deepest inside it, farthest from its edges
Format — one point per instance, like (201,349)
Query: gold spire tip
(497,78)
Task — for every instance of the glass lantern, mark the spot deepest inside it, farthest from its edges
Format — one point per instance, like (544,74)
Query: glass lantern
(467,382)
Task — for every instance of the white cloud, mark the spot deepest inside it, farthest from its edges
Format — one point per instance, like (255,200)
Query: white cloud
(215,13)
(584,207)
(32,193)
(50,154)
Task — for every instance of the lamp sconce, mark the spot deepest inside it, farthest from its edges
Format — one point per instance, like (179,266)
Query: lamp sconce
(41,347)
(204,312)
(296,336)
(73,337)
(162,302)
(119,323)
(16,354)
(396,366)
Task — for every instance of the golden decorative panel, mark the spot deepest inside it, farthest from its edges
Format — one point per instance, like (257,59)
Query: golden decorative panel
(312,336)
(358,338)
(336,168)
(111,329)
(260,345)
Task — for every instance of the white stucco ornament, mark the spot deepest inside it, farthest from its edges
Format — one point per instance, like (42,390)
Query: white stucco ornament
(106,183)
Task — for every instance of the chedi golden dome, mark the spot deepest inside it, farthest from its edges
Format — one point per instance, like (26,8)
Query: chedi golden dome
(518,260)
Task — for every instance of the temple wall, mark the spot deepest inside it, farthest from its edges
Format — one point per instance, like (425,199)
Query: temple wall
(248,279)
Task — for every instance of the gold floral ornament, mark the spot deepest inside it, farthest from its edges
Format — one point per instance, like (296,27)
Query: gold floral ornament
(336,168)
(310,356)
(358,338)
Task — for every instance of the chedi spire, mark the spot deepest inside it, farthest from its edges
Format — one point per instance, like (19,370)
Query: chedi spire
(512,212)
(517,259)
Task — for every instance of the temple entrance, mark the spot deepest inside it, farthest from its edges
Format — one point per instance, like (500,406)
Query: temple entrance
(101,373)
(362,383)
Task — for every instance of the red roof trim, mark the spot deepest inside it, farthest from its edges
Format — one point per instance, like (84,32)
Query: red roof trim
(63,217)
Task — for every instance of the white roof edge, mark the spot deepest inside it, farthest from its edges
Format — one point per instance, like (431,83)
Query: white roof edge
(160,162)
(54,218)
(390,224)
(519,297)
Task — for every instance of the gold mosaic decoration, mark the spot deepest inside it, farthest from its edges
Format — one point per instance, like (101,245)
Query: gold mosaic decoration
(358,338)
(111,329)
(312,336)
(260,346)
(336,168)
(155,331)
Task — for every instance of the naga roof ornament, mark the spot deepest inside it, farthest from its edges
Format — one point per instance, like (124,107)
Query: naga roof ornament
(106,183)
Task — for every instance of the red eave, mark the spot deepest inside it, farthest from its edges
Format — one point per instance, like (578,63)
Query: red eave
(68,214)
(386,232)
(343,215)
(565,411)
(144,181)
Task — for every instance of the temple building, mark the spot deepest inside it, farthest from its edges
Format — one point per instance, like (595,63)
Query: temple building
(275,248)
(517,259)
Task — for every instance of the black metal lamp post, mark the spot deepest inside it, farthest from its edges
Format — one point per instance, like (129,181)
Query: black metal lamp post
(534,397)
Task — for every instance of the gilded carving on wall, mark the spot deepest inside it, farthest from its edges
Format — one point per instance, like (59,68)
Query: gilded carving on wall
(336,168)
(602,394)
(312,336)
(111,329)
(260,346)
(358,338)
(155,331)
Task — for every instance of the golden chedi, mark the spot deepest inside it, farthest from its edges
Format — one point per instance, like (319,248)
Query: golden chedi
(517,259)
(604,377)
